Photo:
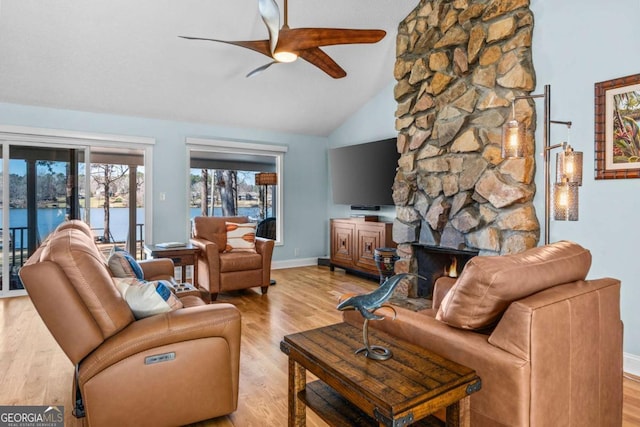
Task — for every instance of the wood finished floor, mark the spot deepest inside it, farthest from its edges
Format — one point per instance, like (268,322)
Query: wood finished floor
(35,371)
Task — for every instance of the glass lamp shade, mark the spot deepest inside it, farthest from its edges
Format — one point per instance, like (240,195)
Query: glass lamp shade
(513,140)
(565,201)
(569,166)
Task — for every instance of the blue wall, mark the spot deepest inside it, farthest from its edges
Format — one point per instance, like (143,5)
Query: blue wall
(374,121)
(575,45)
(305,201)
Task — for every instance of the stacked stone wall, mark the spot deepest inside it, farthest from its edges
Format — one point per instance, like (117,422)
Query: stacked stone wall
(460,64)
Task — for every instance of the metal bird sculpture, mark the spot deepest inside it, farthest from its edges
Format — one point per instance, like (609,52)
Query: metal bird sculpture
(367,304)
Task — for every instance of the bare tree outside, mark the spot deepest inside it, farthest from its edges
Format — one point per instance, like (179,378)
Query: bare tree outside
(107,176)
(227,192)
(204,205)
(227,187)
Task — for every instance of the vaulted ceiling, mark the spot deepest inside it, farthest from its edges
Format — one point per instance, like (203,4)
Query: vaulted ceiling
(124,57)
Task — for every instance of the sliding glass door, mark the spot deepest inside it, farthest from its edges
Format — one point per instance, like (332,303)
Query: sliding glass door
(40,192)
(116,204)
(44,184)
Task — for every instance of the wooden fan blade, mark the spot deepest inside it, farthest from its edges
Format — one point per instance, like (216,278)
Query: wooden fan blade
(271,18)
(320,59)
(260,46)
(304,38)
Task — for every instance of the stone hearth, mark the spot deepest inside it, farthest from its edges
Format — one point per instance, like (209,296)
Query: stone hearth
(460,63)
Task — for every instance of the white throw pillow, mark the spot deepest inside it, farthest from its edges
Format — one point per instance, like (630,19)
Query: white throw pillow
(147,298)
(241,237)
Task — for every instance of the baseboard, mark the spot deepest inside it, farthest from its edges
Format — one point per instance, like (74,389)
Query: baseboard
(631,364)
(292,263)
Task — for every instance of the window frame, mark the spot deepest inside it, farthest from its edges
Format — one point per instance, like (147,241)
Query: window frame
(11,135)
(243,148)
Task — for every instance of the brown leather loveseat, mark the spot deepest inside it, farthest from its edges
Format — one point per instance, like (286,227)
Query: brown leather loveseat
(223,268)
(546,343)
(168,369)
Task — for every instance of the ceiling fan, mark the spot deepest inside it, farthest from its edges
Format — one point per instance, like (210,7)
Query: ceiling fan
(288,44)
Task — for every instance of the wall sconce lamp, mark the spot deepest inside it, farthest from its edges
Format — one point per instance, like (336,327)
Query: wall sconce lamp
(568,163)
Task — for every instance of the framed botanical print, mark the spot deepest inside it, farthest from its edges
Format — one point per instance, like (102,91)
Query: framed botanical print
(617,128)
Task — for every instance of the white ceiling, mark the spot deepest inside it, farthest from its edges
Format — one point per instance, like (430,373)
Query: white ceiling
(124,57)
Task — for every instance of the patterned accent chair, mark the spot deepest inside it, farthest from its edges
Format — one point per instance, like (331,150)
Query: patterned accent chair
(222,268)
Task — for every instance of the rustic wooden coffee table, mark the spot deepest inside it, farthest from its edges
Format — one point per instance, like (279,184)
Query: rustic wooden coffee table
(353,390)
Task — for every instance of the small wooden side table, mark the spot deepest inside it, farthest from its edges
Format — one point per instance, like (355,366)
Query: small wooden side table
(356,391)
(182,256)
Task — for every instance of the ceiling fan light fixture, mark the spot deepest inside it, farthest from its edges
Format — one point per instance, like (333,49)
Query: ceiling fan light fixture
(285,56)
(285,44)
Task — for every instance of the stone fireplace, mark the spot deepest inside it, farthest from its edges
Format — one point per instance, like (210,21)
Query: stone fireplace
(460,64)
(436,261)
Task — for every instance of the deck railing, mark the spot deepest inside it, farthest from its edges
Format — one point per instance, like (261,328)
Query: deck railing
(18,253)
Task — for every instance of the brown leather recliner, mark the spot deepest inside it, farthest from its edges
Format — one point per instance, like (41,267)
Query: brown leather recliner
(220,271)
(168,369)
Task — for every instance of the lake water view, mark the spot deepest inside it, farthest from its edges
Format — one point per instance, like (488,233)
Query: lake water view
(50,218)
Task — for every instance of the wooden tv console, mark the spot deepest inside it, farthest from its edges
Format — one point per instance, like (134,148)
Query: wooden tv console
(353,242)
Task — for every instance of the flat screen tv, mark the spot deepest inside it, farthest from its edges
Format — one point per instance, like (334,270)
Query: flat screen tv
(362,175)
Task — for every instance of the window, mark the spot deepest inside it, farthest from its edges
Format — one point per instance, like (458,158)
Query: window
(229,192)
(226,172)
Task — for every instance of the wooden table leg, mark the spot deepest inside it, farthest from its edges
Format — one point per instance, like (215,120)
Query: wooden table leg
(459,413)
(194,279)
(297,383)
